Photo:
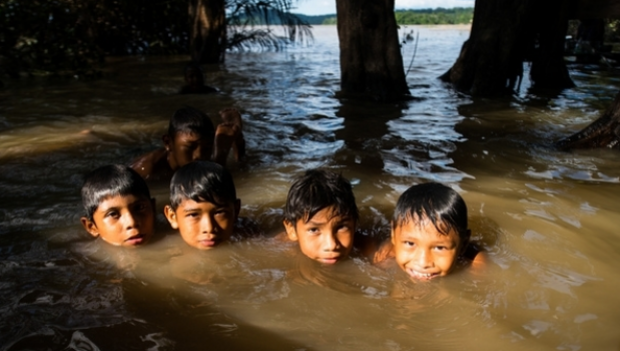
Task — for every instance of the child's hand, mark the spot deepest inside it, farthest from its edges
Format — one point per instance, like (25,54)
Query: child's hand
(385,251)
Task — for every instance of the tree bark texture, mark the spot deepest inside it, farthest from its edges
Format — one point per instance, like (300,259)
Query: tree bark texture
(504,35)
(208,30)
(371,63)
(602,133)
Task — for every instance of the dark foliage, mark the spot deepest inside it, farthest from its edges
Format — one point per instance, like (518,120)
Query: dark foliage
(75,36)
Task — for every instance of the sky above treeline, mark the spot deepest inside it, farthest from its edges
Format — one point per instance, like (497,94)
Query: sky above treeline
(327,7)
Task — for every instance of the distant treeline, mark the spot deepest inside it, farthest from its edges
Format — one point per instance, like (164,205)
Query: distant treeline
(457,15)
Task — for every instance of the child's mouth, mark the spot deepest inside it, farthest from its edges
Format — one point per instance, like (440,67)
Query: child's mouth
(207,243)
(332,260)
(420,275)
(135,240)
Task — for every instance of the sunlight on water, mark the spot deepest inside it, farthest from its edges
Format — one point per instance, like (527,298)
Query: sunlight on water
(547,219)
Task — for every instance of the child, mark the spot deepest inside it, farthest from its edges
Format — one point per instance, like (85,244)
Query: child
(203,204)
(190,137)
(229,135)
(195,82)
(118,206)
(321,215)
(429,232)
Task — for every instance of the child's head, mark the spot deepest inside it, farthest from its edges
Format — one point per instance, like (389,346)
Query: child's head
(190,137)
(429,230)
(118,206)
(203,204)
(321,215)
(194,75)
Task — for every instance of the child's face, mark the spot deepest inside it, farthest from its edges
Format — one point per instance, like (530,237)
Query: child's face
(203,225)
(187,147)
(194,77)
(326,237)
(123,220)
(422,251)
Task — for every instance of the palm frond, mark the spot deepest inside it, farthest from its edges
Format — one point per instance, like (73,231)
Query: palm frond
(250,23)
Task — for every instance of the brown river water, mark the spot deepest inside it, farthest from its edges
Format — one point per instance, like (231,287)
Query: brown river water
(547,219)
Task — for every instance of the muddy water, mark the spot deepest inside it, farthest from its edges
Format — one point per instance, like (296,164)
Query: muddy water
(547,219)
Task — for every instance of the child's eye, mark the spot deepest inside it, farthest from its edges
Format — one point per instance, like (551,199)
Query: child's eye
(113,214)
(343,228)
(313,230)
(192,214)
(408,243)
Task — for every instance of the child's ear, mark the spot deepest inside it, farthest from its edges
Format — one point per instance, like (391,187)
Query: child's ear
(291,232)
(90,226)
(167,141)
(171,216)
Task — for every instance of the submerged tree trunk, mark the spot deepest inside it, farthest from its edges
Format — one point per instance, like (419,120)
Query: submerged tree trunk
(503,36)
(548,68)
(371,63)
(208,30)
(602,133)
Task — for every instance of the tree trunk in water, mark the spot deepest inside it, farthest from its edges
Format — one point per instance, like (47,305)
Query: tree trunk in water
(371,63)
(548,68)
(503,36)
(208,30)
(604,132)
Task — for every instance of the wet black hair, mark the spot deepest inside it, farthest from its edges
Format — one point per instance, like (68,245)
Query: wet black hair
(190,120)
(445,208)
(193,66)
(202,181)
(317,189)
(111,180)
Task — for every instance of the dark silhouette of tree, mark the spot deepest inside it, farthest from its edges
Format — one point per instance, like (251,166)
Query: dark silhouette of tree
(504,36)
(74,36)
(371,63)
(218,25)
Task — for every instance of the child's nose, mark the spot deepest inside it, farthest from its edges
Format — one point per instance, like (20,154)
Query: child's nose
(130,221)
(423,258)
(207,224)
(330,242)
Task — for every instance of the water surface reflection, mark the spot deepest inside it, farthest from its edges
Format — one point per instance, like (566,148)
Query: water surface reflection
(546,218)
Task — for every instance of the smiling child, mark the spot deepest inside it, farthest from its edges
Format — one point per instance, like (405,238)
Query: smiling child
(429,236)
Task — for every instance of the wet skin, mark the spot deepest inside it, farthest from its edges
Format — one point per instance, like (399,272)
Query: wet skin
(424,252)
(326,237)
(203,225)
(123,220)
(184,148)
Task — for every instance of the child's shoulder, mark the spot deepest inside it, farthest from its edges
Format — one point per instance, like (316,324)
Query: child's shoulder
(152,165)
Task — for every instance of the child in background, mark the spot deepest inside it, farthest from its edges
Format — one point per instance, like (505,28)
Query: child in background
(195,81)
(118,206)
(203,204)
(429,232)
(190,137)
(321,215)
(229,135)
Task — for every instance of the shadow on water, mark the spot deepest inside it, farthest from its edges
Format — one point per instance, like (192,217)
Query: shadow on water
(364,139)
(58,300)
